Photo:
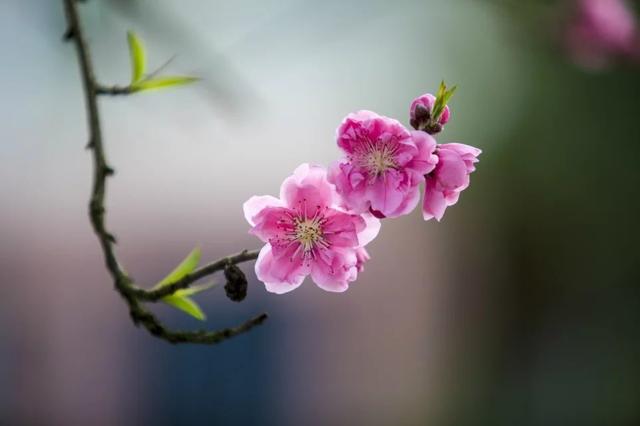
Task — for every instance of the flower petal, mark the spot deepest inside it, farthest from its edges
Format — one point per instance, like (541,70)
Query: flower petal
(386,193)
(434,202)
(307,189)
(341,229)
(426,160)
(409,202)
(371,229)
(334,270)
(279,275)
(451,171)
(272,224)
(255,204)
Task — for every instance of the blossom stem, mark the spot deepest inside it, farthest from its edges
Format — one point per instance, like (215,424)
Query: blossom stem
(134,296)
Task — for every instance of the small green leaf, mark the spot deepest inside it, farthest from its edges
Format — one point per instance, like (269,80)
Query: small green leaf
(442,98)
(161,82)
(194,289)
(138,57)
(185,304)
(185,267)
(180,299)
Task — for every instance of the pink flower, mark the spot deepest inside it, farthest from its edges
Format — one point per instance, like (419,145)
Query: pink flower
(383,165)
(420,114)
(449,179)
(601,31)
(308,233)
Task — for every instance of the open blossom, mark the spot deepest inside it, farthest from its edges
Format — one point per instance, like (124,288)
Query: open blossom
(450,177)
(308,233)
(420,114)
(600,31)
(383,167)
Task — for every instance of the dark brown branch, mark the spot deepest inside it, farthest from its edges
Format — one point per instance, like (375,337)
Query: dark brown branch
(101,170)
(151,323)
(114,90)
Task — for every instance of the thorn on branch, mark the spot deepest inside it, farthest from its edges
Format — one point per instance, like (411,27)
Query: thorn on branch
(69,34)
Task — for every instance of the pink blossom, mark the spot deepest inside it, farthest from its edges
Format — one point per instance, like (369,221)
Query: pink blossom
(420,112)
(383,167)
(601,31)
(450,177)
(308,233)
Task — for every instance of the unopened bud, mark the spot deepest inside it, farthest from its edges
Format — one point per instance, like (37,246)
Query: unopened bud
(421,117)
(236,286)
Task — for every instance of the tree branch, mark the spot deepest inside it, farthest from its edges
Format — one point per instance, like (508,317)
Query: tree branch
(132,294)
(113,90)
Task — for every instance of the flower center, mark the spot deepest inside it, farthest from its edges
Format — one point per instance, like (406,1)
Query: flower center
(308,232)
(380,160)
(376,156)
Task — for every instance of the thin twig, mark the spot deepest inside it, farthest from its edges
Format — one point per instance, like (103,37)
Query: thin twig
(114,90)
(133,295)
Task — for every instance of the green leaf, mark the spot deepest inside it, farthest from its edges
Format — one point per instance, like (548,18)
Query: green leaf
(194,289)
(138,57)
(180,299)
(185,267)
(185,304)
(442,98)
(162,82)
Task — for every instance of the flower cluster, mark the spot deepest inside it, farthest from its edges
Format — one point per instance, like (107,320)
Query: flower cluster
(324,218)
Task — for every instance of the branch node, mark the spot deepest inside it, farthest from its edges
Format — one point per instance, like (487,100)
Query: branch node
(96,207)
(69,34)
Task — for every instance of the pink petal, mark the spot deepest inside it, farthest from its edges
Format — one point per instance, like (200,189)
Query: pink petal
(427,100)
(445,116)
(334,270)
(362,256)
(255,204)
(451,171)
(341,229)
(352,127)
(434,202)
(280,275)
(426,160)
(307,189)
(371,229)
(385,193)
(409,202)
(451,197)
(467,152)
(350,185)
(271,224)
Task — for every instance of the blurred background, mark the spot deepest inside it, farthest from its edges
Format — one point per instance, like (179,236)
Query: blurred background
(521,307)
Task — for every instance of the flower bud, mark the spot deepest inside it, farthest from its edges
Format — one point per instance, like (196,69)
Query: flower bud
(421,117)
(236,286)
